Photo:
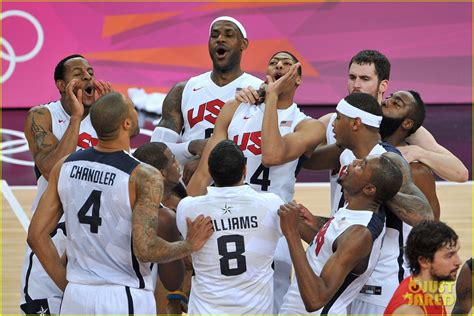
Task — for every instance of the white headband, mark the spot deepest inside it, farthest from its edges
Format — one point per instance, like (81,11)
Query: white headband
(351,111)
(230,19)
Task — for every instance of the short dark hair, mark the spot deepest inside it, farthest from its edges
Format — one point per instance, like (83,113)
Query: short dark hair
(425,239)
(364,102)
(226,163)
(417,112)
(300,69)
(387,178)
(153,154)
(60,69)
(107,113)
(380,61)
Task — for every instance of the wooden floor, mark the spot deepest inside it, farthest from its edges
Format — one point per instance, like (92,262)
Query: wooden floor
(455,200)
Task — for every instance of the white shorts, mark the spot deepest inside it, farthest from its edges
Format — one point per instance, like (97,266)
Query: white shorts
(282,273)
(38,291)
(359,307)
(107,299)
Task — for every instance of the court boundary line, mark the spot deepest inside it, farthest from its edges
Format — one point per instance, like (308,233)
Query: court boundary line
(15,205)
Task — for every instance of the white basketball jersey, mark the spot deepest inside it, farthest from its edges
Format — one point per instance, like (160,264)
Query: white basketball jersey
(245,130)
(94,191)
(321,249)
(233,273)
(202,101)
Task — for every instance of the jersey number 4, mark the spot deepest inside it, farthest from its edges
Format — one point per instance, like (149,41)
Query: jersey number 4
(264,181)
(93,220)
(236,255)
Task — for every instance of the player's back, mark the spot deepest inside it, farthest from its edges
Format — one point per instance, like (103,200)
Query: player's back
(94,190)
(233,272)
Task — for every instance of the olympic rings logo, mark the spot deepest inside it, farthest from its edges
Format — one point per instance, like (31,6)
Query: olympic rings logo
(10,54)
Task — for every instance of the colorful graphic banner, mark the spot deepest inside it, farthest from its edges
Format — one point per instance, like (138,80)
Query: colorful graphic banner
(155,45)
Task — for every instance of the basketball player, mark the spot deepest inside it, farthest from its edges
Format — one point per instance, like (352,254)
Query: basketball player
(107,197)
(54,130)
(369,72)
(160,156)
(247,126)
(463,303)
(344,253)
(403,113)
(233,271)
(356,129)
(432,252)
(191,107)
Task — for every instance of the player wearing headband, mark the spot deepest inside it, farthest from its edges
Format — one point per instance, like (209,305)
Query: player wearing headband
(191,107)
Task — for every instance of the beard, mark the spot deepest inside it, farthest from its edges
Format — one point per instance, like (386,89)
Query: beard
(389,125)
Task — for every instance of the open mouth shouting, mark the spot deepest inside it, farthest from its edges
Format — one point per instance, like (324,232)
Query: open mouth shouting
(221,52)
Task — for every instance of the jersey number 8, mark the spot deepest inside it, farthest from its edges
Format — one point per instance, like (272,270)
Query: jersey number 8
(224,261)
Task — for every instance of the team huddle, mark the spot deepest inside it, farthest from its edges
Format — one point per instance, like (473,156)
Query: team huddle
(213,192)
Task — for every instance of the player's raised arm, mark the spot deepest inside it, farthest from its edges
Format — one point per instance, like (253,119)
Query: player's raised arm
(353,246)
(45,148)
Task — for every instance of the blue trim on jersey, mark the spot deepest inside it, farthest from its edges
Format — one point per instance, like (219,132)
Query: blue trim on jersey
(136,268)
(117,159)
(376,224)
(129,300)
(390,148)
(347,281)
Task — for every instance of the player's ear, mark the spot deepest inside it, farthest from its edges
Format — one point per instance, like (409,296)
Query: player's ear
(244,173)
(370,189)
(356,123)
(245,44)
(61,85)
(424,262)
(407,123)
(383,86)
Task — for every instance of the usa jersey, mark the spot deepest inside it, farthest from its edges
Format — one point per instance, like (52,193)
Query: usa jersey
(245,130)
(321,249)
(233,273)
(202,101)
(94,190)
(35,282)
(391,268)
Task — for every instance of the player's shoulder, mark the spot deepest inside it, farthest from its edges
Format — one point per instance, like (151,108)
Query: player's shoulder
(189,201)
(251,79)
(267,198)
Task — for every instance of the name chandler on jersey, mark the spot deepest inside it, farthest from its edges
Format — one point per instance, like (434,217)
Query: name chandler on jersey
(92,175)
(234,223)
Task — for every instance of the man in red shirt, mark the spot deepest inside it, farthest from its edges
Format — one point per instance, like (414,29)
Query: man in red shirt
(432,252)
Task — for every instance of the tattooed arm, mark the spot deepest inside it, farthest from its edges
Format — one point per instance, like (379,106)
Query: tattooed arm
(146,186)
(172,118)
(409,204)
(45,148)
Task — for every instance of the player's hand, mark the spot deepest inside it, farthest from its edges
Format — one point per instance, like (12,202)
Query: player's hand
(287,79)
(247,95)
(289,219)
(411,152)
(101,88)
(189,169)
(307,217)
(199,231)
(74,99)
